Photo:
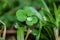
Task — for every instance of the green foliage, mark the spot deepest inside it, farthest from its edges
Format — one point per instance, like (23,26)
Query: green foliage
(41,15)
(27,15)
(21,15)
(20,33)
(29,11)
(57,15)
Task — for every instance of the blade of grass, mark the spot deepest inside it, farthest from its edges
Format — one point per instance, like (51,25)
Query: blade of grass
(20,33)
(48,32)
(43,36)
(56,15)
(38,35)
(47,9)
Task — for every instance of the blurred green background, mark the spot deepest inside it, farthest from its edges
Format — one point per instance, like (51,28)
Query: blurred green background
(8,10)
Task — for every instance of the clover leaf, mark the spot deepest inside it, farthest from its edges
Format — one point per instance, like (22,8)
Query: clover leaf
(32,20)
(29,23)
(20,15)
(35,19)
(28,11)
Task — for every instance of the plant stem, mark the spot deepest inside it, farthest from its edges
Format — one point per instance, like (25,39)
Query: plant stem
(28,32)
(56,33)
(4,32)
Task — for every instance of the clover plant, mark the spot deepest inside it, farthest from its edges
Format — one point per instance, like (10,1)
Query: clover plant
(27,15)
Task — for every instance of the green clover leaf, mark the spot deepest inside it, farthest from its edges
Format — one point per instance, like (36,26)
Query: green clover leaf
(35,19)
(29,11)
(20,15)
(31,20)
(29,23)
